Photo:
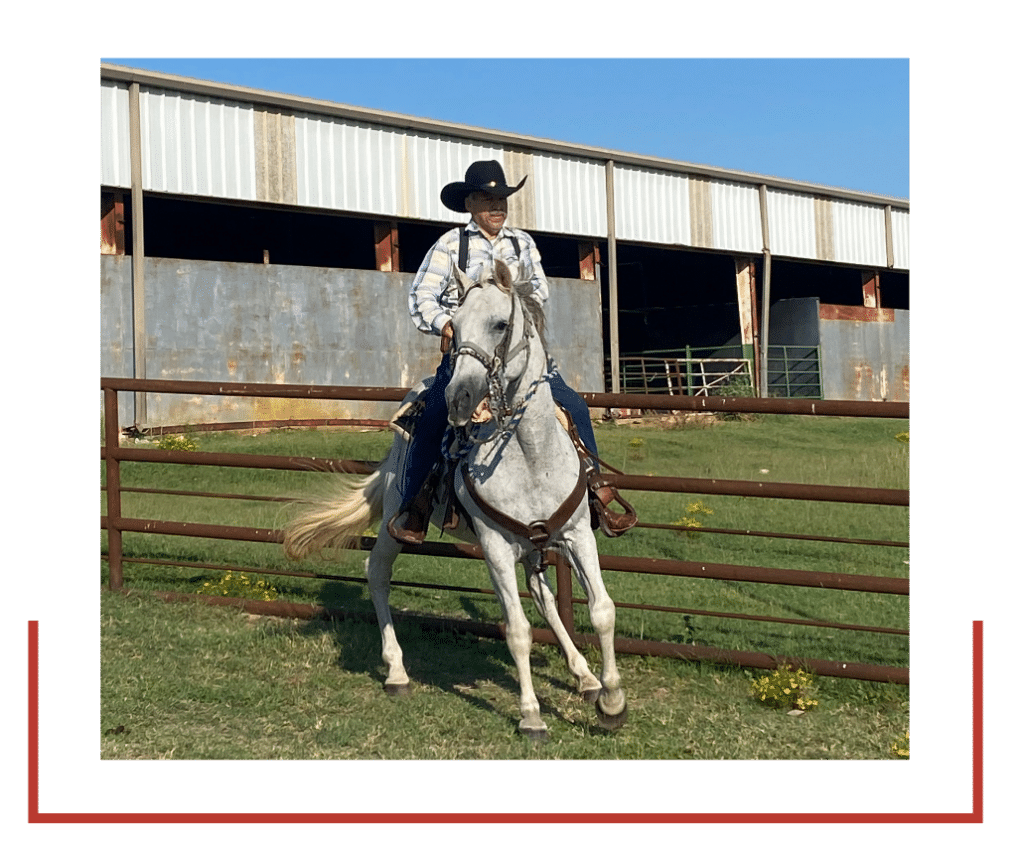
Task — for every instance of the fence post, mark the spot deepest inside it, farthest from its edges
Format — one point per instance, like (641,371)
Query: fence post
(110,440)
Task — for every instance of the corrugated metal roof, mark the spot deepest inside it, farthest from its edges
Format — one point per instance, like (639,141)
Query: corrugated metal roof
(197,146)
(493,137)
(652,206)
(227,142)
(901,239)
(115,141)
(569,195)
(858,233)
(736,217)
(791,228)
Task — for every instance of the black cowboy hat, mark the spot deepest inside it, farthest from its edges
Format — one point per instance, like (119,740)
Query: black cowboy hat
(482,176)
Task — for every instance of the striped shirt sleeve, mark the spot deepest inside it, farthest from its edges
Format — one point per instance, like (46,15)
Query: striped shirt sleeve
(426,294)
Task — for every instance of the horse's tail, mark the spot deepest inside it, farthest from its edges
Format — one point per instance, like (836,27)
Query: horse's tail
(339,519)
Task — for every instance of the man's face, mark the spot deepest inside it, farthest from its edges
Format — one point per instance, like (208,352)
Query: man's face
(488,211)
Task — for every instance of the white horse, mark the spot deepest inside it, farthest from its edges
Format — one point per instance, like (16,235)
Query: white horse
(520,480)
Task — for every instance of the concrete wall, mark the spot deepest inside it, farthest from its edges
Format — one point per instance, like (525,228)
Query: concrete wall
(240,322)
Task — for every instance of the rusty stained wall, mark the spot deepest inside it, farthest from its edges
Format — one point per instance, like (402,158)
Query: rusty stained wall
(865,353)
(239,322)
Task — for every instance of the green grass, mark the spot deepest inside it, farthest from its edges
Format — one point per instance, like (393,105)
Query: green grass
(187,681)
(695,710)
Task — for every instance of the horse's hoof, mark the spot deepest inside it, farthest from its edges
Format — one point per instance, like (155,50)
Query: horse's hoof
(398,689)
(611,722)
(535,735)
(590,695)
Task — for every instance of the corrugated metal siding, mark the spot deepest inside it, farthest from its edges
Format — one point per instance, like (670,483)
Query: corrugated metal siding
(901,239)
(652,206)
(791,231)
(115,139)
(433,161)
(197,146)
(347,166)
(569,195)
(736,217)
(858,233)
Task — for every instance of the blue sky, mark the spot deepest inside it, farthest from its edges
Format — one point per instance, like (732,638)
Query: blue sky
(837,122)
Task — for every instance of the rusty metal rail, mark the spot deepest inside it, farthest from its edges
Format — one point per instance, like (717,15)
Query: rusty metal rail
(710,404)
(116,524)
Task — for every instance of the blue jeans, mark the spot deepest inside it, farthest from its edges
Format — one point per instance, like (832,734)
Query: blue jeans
(425,446)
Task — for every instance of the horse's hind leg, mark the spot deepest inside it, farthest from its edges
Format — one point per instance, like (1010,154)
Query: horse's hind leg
(378,576)
(586,684)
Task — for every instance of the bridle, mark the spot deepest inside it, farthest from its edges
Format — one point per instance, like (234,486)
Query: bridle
(496,363)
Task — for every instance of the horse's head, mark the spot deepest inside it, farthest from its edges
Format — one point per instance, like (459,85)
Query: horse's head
(494,326)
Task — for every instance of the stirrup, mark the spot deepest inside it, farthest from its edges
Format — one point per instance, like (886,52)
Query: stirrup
(612,524)
(410,533)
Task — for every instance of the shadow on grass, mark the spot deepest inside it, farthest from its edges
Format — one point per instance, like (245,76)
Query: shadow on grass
(441,657)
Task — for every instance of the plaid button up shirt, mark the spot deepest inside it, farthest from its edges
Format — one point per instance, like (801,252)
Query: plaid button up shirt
(434,293)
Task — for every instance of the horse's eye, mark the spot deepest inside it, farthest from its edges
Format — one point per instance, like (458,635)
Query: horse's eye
(500,325)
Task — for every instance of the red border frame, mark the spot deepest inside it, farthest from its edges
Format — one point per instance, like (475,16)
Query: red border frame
(34,816)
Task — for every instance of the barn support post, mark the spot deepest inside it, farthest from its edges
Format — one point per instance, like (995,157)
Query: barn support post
(766,290)
(590,257)
(871,289)
(112,223)
(746,298)
(138,250)
(613,276)
(385,240)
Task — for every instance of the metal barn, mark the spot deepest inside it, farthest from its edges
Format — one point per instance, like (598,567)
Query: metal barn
(260,237)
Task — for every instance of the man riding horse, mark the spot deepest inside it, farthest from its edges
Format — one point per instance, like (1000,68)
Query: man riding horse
(433,299)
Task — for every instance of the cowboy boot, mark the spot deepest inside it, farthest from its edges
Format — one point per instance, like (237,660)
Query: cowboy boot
(602,495)
(411,522)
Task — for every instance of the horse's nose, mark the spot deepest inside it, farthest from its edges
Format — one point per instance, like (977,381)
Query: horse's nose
(460,406)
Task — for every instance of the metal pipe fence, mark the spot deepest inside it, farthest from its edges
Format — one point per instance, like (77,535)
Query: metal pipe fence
(116,523)
(793,371)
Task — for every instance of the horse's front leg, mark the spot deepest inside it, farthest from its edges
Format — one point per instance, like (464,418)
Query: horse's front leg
(501,562)
(586,684)
(611,702)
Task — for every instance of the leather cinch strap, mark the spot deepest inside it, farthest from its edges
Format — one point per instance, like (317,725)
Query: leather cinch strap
(538,532)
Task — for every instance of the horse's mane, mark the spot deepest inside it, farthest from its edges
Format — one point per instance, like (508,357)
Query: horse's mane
(533,308)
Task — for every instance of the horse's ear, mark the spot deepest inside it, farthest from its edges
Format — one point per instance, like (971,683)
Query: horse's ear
(502,276)
(464,282)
